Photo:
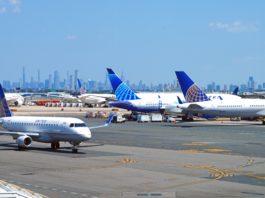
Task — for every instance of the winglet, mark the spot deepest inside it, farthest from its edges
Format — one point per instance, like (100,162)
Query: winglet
(4,108)
(107,122)
(121,90)
(191,91)
(112,114)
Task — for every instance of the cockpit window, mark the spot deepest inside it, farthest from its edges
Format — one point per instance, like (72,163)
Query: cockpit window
(77,125)
(80,125)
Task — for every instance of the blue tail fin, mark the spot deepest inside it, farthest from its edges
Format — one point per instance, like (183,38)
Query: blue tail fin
(81,88)
(190,90)
(235,92)
(121,90)
(4,108)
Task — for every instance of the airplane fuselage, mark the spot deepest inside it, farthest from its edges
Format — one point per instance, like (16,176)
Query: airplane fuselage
(50,129)
(240,108)
(156,102)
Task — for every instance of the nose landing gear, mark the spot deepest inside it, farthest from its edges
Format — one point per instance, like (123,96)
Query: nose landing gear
(55,145)
(75,147)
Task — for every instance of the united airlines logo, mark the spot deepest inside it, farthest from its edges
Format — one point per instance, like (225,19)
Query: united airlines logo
(123,92)
(194,94)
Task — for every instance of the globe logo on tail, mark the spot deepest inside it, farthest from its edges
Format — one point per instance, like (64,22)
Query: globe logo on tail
(194,94)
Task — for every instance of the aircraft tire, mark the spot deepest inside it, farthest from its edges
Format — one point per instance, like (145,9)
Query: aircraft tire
(74,150)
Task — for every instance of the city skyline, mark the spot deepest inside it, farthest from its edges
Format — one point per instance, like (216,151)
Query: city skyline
(68,82)
(220,41)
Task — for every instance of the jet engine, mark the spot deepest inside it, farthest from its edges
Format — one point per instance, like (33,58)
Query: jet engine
(24,141)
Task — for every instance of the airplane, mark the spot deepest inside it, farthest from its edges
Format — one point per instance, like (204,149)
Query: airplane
(140,102)
(52,130)
(192,93)
(14,99)
(90,99)
(147,102)
(247,108)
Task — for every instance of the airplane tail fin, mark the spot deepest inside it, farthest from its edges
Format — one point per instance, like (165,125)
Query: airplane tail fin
(121,90)
(81,88)
(190,90)
(235,92)
(4,108)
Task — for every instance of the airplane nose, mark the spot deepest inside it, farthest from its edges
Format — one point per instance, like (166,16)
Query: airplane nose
(86,133)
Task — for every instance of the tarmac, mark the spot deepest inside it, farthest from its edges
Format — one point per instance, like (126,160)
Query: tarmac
(184,159)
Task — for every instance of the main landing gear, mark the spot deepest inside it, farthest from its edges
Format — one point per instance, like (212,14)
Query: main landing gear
(55,145)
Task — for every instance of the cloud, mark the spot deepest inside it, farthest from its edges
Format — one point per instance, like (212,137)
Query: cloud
(71,37)
(12,6)
(234,27)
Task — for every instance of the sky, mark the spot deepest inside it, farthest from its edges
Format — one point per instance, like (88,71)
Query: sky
(213,41)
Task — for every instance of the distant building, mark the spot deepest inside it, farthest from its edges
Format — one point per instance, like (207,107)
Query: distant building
(23,78)
(56,80)
(251,84)
(7,85)
(75,79)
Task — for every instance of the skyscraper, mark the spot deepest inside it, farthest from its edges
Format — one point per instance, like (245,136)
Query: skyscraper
(24,78)
(75,79)
(56,80)
(38,77)
(251,84)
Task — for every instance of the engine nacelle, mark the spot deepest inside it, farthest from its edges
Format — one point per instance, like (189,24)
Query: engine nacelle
(24,141)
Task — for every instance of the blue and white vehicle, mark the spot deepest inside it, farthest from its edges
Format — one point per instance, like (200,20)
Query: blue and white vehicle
(193,93)
(52,130)
(141,102)
(151,102)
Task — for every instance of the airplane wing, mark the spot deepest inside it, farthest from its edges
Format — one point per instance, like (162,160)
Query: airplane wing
(106,124)
(12,133)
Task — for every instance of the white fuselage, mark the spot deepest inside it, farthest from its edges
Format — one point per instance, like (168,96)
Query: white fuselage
(154,102)
(228,108)
(14,99)
(50,129)
(96,98)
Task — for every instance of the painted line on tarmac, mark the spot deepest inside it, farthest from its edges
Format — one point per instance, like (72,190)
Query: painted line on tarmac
(219,173)
(42,187)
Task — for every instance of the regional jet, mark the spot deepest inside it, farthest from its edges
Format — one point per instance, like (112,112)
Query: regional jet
(52,130)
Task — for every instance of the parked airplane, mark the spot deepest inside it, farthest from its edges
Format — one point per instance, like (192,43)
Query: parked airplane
(193,93)
(228,106)
(90,99)
(52,130)
(247,108)
(14,99)
(148,102)
(141,102)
